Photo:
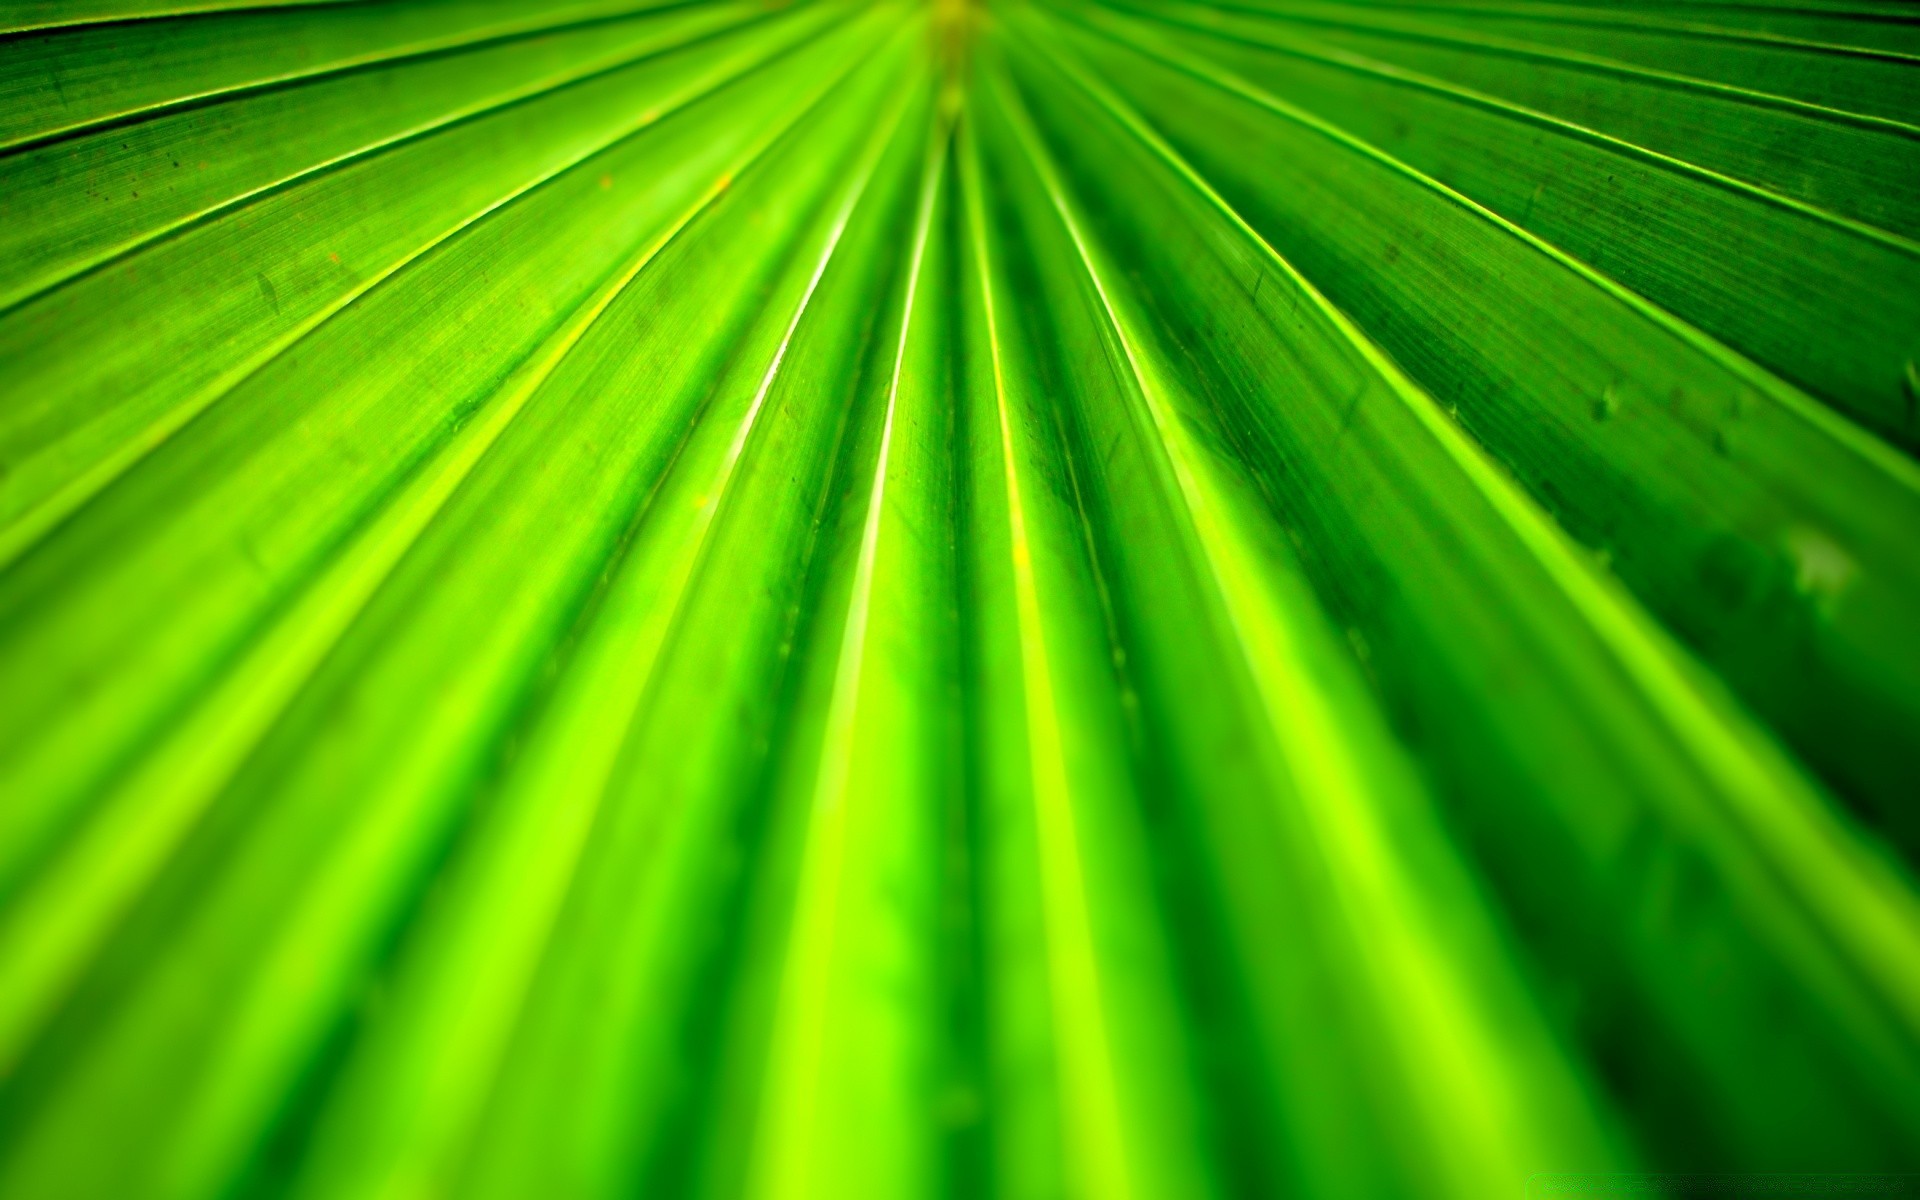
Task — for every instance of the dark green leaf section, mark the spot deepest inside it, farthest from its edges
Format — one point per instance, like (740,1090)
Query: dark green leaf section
(1104,600)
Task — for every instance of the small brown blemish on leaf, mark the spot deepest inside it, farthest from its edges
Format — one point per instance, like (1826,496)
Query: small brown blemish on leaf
(606,182)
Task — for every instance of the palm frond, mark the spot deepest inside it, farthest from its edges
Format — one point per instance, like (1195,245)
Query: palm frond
(1118,599)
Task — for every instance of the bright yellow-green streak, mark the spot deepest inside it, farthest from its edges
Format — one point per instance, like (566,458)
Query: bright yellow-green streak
(784,1159)
(1084,1056)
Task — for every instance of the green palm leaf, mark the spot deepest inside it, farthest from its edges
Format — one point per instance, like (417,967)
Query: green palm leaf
(1100,599)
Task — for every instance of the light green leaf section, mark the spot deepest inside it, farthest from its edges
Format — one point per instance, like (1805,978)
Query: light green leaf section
(1040,599)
